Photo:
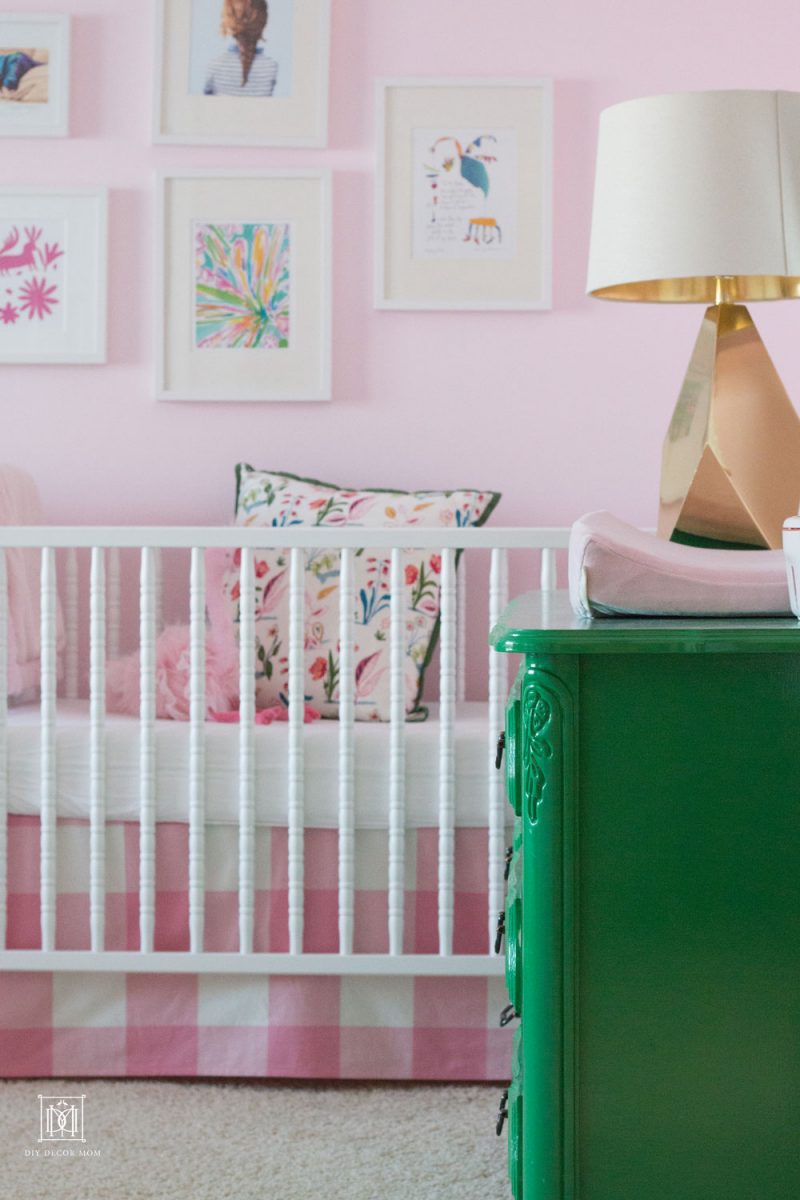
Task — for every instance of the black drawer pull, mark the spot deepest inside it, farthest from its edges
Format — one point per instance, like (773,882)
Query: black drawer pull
(509,856)
(501,745)
(501,928)
(508,1015)
(502,1112)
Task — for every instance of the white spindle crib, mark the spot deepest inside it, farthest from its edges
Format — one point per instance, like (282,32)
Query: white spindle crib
(60,547)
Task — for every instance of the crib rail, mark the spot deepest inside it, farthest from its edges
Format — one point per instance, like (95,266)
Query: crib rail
(305,537)
(105,545)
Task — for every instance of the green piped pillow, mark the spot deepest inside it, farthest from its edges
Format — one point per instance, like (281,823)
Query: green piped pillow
(270,498)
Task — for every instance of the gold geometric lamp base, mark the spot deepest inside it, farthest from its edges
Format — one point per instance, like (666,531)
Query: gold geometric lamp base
(730,470)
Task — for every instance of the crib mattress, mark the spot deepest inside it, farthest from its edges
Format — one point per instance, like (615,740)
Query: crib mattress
(321,769)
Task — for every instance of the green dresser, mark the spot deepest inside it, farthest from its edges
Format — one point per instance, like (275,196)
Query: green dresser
(652,928)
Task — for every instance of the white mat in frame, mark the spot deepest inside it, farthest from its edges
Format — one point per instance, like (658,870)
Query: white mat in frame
(243,308)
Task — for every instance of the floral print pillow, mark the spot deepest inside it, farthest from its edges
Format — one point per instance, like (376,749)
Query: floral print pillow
(269,498)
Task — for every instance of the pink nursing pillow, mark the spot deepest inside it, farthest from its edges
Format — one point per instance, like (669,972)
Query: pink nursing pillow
(616,569)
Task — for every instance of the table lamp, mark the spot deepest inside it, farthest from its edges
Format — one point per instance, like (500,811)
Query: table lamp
(697,199)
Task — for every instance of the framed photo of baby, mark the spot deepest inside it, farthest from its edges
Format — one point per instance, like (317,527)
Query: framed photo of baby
(34,76)
(243,72)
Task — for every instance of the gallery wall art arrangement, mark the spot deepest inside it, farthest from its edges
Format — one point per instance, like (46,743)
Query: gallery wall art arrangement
(463,200)
(416,366)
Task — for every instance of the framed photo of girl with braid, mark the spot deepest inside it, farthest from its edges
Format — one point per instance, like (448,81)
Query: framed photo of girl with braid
(242,72)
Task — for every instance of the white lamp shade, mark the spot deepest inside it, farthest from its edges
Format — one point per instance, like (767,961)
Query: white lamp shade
(694,186)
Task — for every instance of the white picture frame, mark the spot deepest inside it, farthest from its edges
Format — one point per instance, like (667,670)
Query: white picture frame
(453,156)
(212,346)
(296,114)
(37,105)
(53,275)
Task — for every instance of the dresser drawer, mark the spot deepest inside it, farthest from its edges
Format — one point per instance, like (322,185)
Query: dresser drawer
(513,751)
(513,936)
(510,1115)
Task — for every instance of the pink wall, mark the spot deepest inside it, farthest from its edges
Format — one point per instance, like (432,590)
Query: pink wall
(563,411)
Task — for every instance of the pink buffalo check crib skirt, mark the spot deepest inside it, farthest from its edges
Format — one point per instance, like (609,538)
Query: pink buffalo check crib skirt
(314,1027)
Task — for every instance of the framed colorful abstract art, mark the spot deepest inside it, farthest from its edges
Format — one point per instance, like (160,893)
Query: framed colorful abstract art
(244,310)
(52,275)
(242,72)
(34,76)
(463,202)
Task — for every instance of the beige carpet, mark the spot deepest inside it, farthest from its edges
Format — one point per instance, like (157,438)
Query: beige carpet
(244,1141)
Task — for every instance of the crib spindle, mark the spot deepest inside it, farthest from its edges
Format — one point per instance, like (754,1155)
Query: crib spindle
(97,749)
(71,627)
(147,750)
(296,721)
(461,628)
(113,587)
(197,749)
(498,679)
(158,575)
(346,755)
(47,892)
(247,714)
(3,750)
(548,570)
(447,764)
(397,754)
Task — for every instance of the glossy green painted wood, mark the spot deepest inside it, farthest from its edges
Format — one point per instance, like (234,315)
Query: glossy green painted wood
(515,1120)
(512,757)
(661,919)
(689,928)
(542,623)
(548,753)
(513,934)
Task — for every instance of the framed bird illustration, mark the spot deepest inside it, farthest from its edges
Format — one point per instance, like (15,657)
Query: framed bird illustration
(461,181)
(463,194)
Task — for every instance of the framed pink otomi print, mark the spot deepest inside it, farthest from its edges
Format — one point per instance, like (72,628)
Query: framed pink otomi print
(53,275)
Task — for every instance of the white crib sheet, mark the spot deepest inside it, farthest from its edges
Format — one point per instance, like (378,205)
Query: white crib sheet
(371,741)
